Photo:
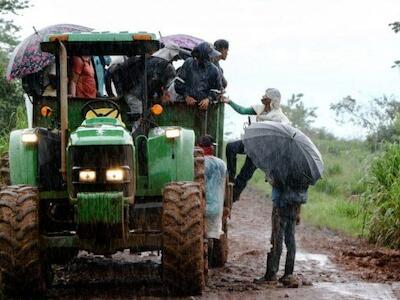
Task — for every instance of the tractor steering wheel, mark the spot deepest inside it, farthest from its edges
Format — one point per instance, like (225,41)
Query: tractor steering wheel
(91,106)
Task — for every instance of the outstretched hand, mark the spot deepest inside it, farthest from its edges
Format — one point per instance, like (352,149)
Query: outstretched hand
(225,99)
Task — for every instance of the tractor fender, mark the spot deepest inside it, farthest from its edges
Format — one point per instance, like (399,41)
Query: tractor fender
(168,159)
(23,158)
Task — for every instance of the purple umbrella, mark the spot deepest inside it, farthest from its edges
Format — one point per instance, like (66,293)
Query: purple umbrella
(182,40)
(28,58)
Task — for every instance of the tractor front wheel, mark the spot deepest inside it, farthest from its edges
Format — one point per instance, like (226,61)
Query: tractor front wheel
(21,265)
(183,239)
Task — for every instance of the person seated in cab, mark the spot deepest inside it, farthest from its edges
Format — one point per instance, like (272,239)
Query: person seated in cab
(100,63)
(82,82)
(200,79)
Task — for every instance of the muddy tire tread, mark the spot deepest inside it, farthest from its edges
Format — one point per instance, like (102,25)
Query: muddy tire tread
(183,239)
(20,261)
(199,176)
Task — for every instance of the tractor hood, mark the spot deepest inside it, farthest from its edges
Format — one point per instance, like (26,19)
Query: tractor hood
(101,131)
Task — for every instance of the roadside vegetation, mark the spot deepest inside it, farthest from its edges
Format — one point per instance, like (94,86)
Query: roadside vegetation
(11,93)
(382,196)
(335,201)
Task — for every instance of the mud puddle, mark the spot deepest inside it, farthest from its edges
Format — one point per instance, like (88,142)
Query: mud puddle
(358,290)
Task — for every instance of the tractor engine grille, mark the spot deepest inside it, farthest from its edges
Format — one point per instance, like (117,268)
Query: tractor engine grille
(100,159)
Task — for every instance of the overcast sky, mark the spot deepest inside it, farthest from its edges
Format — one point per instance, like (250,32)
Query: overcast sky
(323,49)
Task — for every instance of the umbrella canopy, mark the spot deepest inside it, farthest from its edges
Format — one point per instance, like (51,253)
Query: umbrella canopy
(284,153)
(182,40)
(28,58)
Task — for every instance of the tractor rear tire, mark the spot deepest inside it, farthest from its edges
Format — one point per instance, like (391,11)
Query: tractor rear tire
(183,239)
(21,264)
(199,176)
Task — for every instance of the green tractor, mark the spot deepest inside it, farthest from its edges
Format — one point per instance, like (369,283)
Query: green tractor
(84,183)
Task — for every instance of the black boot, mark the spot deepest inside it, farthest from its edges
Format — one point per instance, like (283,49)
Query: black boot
(236,194)
(270,274)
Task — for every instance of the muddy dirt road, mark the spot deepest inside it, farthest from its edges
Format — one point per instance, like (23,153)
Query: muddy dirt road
(330,266)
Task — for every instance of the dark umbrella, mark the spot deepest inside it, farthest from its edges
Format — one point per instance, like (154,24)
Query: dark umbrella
(284,153)
(182,40)
(27,57)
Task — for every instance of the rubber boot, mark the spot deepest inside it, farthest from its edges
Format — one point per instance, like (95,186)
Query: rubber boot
(270,274)
(236,194)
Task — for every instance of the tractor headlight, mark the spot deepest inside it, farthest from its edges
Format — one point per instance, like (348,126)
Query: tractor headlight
(87,176)
(29,138)
(115,175)
(172,133)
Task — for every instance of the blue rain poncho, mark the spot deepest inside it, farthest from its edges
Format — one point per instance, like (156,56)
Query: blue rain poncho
(215,176)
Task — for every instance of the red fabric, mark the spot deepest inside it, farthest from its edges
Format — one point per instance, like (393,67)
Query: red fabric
(86,84)
(208,150)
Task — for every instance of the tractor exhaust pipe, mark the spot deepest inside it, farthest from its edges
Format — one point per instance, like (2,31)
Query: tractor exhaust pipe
(63,107)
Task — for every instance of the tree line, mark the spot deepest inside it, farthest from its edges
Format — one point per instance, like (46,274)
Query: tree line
(11,93)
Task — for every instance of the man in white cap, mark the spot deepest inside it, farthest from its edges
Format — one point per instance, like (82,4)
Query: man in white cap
(268,110)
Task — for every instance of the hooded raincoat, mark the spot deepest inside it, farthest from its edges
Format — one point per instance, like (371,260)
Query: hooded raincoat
(200,78)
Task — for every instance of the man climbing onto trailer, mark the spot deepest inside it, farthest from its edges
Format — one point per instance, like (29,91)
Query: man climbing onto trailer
(269,110)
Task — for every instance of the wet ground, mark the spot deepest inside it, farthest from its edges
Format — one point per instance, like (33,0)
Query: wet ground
(329,266)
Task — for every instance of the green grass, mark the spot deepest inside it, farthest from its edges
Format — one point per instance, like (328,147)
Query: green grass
(382,197)
(334,212)
(334,202)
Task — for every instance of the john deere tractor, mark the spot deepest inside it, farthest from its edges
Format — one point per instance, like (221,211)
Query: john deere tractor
(81,181)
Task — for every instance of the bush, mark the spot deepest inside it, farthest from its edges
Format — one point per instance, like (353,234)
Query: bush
(382,198)
(11,96)
(357,187)
(17,120)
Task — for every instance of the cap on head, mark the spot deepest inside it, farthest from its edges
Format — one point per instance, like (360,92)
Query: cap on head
(275,97)
(221,44)
(206,140)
